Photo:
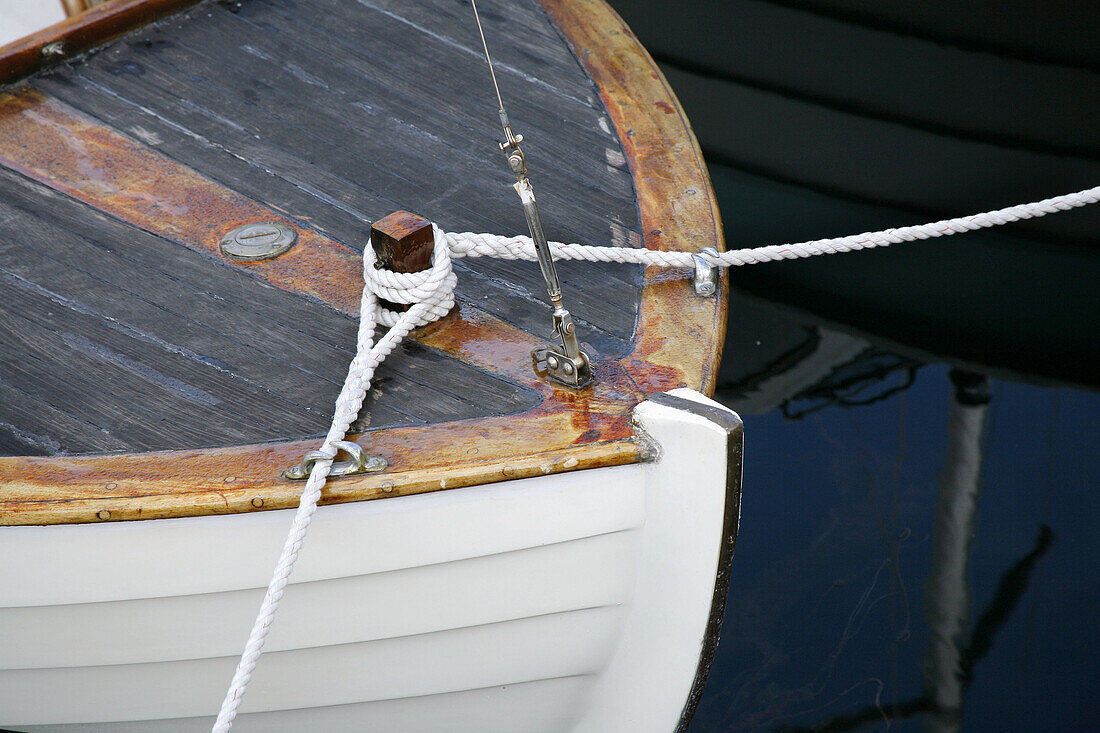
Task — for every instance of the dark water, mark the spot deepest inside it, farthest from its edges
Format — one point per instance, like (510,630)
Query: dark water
(828,619)
(918,546)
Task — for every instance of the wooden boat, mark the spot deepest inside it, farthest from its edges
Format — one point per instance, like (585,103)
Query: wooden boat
(533,557)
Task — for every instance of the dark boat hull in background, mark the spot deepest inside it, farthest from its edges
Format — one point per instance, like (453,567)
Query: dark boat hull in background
(829,117)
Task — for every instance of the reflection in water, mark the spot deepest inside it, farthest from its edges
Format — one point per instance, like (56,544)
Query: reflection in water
(871,377)
(842,514)
(943,701)
(947,592)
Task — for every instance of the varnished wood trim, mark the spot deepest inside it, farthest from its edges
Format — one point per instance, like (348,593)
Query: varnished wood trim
(81,32)
(166,484)
(678,340)
(73,7)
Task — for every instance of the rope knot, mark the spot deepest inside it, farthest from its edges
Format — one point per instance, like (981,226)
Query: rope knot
(430,292)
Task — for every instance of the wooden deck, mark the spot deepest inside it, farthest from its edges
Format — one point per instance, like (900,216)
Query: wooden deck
(124,330)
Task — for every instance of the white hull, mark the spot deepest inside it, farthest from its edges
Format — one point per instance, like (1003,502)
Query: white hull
(577,601)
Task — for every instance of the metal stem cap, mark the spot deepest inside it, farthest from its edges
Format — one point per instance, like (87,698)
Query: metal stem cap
(260,241)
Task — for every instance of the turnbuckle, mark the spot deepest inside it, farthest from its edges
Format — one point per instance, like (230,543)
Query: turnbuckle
(569,366)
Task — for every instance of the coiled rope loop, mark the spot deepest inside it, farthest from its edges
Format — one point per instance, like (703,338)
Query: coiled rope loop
(430,294)
(433,289)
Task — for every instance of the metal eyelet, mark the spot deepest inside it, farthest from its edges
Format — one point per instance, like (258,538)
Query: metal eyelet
(705,281)
(359,462)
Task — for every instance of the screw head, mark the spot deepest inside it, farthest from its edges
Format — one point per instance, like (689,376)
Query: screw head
(261,241)
(552,362)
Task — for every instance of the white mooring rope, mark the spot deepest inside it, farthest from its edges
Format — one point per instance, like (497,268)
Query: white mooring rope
(469,244)
(430,294)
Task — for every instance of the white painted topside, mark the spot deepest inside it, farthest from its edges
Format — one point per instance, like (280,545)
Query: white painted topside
(569,602)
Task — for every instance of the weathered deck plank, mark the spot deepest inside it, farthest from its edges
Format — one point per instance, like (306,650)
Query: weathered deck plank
(290,114)
(150,317)
(320,112)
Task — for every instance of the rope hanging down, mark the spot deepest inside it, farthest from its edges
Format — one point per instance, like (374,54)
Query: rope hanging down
(430,294)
